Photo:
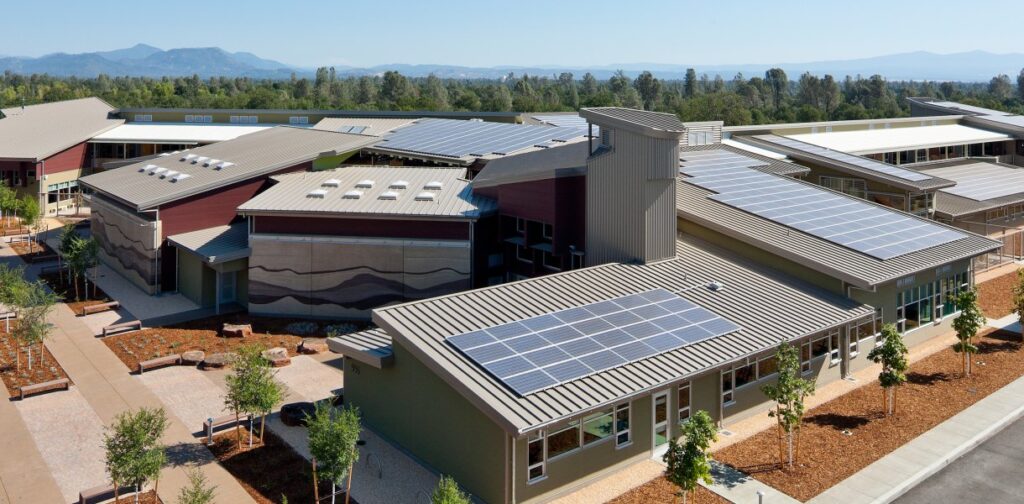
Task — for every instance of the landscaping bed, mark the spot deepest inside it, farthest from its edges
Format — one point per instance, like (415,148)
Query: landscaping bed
(661,490)
(87,297)
(204,335)
(850,432)
(32,251)
(995,296)
(270,473)
(14,380)
(149,497)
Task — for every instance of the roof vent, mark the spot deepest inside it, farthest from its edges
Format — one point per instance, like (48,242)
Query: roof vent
(331,183)
(398,184)
(147,167)
(716,286)
(433,185)
(200,159)
(425,196)
(353,194)
(224,164)
(169,173)
(179,177)
(365,184)
(210,162)
(317,193)
(388,195)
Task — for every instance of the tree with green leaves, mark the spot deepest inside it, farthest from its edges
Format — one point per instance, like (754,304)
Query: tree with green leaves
(29,212)
(333,434)
(1018,296)
(447,492)
(8,203)
(688,460)
(967,324)
(68,234)
(198,490)
(134,452)
(789,392)
(32,304)
(12,280)
(892,354)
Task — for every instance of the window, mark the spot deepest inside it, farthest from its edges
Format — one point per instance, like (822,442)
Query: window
(190,118)
(683,401)
(524,253)
(728,388)
(927,303)
(251,119)
(521,225)
(548,231)
(745,375)
(564,441)
(767,367)
(607,137)
(143,117)
(298,120)
(622,418)
(597,427)
(535,462)
(699,138)
(805,358)
(851,186)
(551,261)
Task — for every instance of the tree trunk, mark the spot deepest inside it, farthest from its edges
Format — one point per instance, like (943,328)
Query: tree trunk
(250,431)
(17,358)
(42,354)
(238,432)
(334,491)
(156,484)
(136,493)
(117,491)
(316,484)
(796,458)
(348,486)
(789,439)
(263,421)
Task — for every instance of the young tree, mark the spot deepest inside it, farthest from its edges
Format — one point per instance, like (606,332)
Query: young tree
(265,391)
(198,490)
(29,212)
(892,354)
(333,435)
(68,234)
(134,453)
(448,492)
(33,303)
(689,461)
(967,325)
(1018,294)
(789,392)
(238,398)
(12,280)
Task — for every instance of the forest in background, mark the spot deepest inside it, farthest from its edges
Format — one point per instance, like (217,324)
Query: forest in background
(771,98)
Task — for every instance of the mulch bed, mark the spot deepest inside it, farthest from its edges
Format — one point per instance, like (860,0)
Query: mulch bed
(13,379)
(204,335)
(995,296)
(87,297)
(271,472)
(660,490)
(149,497)
(32,250)
(850,432)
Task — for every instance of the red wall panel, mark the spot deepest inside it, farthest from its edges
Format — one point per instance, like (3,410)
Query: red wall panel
(439,230)
(71,158)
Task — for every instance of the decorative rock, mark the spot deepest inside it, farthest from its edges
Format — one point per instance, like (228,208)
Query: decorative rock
(192,357)
(277,356)
(236,331)
(310,346)
(217,361)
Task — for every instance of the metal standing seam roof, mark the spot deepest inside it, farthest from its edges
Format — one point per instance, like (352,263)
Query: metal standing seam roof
(858,269)
(771,165)
(562,161)
(927,184)
(960,108)
(999,184)
(251,156)
(375,126)
(216,244)
(291,194)
(898,139)
(371,347)
(657,124)
(770,306)
(36,132)
(174,133)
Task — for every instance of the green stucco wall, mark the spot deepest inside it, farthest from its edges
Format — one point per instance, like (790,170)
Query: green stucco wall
(196,281)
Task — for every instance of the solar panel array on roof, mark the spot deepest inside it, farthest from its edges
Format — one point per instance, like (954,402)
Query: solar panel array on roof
(456,139)
(563,120)
(982,181)
(852,223)
(862,162)
(351,129)
(547,350)
(716,158)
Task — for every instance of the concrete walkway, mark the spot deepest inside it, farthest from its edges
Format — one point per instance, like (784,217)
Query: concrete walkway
(894,474)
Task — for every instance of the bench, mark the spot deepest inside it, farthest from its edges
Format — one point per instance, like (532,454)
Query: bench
(38,388)
(167,360)
(214,424)
(134,325)
(15,231)
(96,308)
(103,493)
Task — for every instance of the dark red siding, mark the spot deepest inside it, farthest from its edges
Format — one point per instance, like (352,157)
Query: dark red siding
(557,201)
(439,230)
(72,158)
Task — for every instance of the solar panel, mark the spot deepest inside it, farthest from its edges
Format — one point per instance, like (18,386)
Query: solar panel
(715,158)
(982,181)
(870,229)
(861,162)
(540,352)
(455,139)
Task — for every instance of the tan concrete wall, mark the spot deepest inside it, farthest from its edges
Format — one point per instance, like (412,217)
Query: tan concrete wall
(127,243)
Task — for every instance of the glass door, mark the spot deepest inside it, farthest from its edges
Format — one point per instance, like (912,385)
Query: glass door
(660,423)
(228,287)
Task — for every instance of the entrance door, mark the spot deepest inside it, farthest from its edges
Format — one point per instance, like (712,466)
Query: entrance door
(228,287)
(660,423)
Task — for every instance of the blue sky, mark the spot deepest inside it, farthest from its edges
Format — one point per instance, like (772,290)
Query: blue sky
(523,32)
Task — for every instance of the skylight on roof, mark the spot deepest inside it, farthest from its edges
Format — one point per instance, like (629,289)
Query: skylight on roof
(159,169)
(398,184)
(210,162)
(224,164)
(353,194)
(331,183)
(433,185)
(147,167)
(179,177)
(169,173)
(317,193)
(186,157)
(199,159)
(425,196)
(365,184)
(388,195)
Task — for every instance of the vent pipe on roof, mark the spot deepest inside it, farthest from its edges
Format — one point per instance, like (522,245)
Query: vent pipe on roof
(716,286)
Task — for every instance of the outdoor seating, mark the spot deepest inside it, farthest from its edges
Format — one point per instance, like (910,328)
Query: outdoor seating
(102,493)
(39,388)
(134,325)
(167,360)
(97,308)
(212,425)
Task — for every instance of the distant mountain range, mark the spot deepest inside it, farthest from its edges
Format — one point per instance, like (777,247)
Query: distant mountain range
(149,61)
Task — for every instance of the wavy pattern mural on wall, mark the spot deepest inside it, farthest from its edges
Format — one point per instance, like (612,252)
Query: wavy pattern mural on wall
(363,292)
(128,255)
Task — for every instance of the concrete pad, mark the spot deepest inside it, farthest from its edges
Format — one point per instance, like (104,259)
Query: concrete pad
(69,436)
(310,379)
(97,321)
(137,302)
(187,394)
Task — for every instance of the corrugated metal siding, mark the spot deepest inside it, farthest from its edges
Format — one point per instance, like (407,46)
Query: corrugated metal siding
(714,129)
(770,306)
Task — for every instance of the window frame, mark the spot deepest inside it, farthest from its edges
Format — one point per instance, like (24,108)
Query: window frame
(575,424)
(731,391)
(542,438)
(628,431)
(595,415)
(689,401)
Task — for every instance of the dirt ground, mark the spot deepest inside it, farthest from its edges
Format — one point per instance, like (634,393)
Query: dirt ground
(848,433)
(13,379)
(66,290)
(32,250)
(149,497)
(271,473)
(995,296)
(660,490)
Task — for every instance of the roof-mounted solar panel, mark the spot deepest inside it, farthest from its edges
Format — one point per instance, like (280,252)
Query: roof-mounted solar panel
(331,183)
(316,193)
(365,184)
(388,195)
(353,194)
(398,184)
(425,196)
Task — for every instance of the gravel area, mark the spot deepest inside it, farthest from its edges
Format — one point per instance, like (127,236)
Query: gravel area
(615,485)
(995,296)
(660,490)
(187,394)
(311,379)
(845,435)
(69,436)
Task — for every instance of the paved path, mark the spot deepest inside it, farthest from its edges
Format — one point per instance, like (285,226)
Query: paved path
(989,473)
(24,476)
(898,472)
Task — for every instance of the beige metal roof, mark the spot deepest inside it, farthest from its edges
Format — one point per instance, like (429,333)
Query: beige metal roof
(657,124)
(413,194)
(371,347)
(816,253)
(216,244)
(375,126)
(871,141)
(165,133)
(37,132)
(251,156)
(561,161)
(771,308)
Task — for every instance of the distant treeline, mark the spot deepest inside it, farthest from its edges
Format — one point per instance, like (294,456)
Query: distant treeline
(741,100)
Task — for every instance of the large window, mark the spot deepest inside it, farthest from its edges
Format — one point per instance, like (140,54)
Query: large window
(728,388)
(930,302)
(853,187)
(622,419)
(298,120)
(564,441)
(597,427)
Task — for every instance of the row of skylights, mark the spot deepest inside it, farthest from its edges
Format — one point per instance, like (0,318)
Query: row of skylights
(217,164)
(164,173)
(357,194)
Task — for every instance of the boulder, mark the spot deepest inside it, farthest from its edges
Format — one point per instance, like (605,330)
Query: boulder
(192,357)
(217,361)
(277,356)
(310,346)
(236,330)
